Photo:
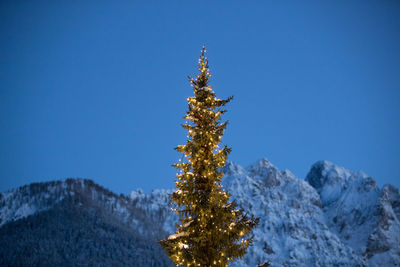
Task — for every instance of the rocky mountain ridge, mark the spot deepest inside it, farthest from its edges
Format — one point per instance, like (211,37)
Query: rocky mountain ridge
(335,217)
(75,222)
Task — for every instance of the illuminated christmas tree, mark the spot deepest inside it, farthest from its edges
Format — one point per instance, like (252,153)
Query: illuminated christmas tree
(212,231)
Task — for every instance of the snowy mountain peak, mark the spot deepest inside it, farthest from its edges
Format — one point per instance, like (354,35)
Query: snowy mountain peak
(331,181)
(263,170)
(231,168)
(26,200)
(359,212)
(325,172)
(261,164)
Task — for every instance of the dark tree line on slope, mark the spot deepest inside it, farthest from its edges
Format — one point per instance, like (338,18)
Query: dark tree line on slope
(73,235)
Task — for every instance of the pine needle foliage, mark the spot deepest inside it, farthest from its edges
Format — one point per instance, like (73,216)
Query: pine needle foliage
(212,231)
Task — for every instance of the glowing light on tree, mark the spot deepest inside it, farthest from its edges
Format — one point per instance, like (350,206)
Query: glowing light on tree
(212,230)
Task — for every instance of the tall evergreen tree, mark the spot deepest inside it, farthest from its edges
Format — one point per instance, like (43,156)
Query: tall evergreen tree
(212,230)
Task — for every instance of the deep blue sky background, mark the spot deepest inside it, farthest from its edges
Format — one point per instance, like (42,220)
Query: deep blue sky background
(99,90)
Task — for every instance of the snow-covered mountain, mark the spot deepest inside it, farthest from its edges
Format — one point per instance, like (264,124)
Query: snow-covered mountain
(365,217)
(335,217)
(293,229)
(76,222)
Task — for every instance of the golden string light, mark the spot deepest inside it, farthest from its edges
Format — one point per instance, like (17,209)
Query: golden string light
(211,230)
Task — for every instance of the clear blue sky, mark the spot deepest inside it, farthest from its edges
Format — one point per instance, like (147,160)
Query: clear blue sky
(98,89)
